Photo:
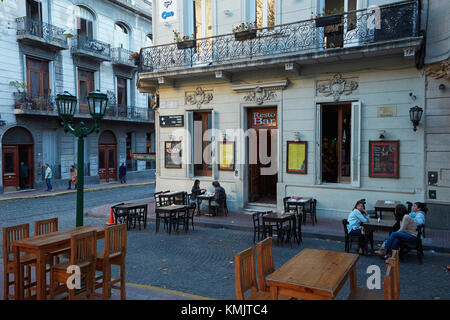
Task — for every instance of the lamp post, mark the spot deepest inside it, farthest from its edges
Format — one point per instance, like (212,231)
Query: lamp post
(66,104)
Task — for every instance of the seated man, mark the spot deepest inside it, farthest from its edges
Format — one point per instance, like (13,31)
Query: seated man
(220,196)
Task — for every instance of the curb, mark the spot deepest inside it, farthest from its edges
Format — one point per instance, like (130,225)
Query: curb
(75,191)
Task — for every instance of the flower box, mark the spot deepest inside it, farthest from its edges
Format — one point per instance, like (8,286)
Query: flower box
(244,35)
(137,61)
(329,20)
(186,44)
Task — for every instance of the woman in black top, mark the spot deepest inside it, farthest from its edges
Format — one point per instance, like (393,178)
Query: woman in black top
(196,191)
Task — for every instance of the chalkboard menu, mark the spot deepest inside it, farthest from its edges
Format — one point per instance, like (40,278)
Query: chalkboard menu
(171,121)
(172,154)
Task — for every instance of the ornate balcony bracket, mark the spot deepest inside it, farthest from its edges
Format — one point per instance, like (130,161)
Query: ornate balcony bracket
(336,87)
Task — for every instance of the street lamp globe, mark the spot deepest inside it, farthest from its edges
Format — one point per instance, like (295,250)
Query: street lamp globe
(98,102)
(66,104)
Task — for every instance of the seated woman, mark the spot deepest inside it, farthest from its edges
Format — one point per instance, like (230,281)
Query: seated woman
(355,218)
(418,213)
(407,232)
(196,191)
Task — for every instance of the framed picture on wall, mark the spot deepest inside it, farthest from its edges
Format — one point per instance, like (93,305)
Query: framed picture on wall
(226,155)
(172,154)
(384,159)
(296,157)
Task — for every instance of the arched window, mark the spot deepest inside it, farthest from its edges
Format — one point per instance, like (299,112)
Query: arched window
(85,22)
(121,36)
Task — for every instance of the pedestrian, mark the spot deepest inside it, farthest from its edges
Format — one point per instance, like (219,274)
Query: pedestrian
(73,177)
(123,173)
(355,218)
(196,191)
(48,177)
(23,175)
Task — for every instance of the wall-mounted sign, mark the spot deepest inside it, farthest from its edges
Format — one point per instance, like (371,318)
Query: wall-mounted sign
(171,121)
(167,9)
(172,154)
(226,155)
(384,159)
(263,118)
(387,111)
(144,156)
(296,157)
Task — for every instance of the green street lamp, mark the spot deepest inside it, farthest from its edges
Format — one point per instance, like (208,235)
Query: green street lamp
(66,104)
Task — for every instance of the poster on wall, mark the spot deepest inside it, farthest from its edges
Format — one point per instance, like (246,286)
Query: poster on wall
(167,9)
(226,156)
(296,157)
(172,154)
(384,159)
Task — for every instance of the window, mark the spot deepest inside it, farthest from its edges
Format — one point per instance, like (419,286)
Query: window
(85,85)
(334,34)
(131,164)
(34,10)
(202,139)
(202,18)
(336,143)
(121,91)
(121,36)
(265,13)
(85,21)
(37,78)
(149,147)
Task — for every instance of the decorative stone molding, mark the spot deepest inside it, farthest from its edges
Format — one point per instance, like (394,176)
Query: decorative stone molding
(336,87)
(261,92)
(440,70)
(198,97)
(259,95)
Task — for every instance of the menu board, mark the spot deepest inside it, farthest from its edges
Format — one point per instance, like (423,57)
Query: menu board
(226,156)
(384,159)
(172,154)
(296,157)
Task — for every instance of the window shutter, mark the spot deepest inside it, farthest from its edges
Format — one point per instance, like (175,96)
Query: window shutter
(356,145)
(318,166)
(189,144)
(215,144)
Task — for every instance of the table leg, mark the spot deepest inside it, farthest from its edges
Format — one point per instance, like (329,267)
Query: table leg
(158,221)
(274,293)
(40,276)
(353,278)
(18,280)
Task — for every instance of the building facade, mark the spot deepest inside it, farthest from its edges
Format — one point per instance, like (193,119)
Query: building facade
(52,46)
(316,102)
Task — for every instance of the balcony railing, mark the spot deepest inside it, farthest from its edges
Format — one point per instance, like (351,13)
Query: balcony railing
(121,56)
(129,112)
(354,28)
(95,48)
(26,102)
(47,32)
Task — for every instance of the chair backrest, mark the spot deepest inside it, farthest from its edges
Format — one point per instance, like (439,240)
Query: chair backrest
(255,217)
(83,248)
(11,234)
(345,223)
(265,263)
(394,262)
(245,275)
(115,240)
(388,283)
(45,226)
(285,204)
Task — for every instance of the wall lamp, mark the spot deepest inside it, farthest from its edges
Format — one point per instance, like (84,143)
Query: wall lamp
(415,114)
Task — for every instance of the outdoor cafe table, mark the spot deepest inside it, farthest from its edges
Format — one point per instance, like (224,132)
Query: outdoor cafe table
(386,225)
(314,275)
(168,211)
(130,208)
(300,201)
(385,205)
(41,246)
(278,218)
(208,197)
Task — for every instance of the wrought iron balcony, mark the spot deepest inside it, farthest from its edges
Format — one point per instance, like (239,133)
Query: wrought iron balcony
(94,49)
(120,57)
(129,113)
(40,34)
(28,104)
(304,40)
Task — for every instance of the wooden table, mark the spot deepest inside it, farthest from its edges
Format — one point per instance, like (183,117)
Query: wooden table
(41,246)
(381,206)
(277,218)
(170,212)
(386,225)
(133,208)
(302,201)
(314,275)
(209,198)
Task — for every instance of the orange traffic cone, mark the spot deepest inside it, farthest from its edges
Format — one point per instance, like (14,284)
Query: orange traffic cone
(111,218)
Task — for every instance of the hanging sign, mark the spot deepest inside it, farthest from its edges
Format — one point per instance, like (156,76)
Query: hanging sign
(144,156)
(264,118)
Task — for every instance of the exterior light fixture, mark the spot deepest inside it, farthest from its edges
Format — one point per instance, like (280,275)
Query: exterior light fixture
(66,104)
(97,104)
(68,33)
(415,114)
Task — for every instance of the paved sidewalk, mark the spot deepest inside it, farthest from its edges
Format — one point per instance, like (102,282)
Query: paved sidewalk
(438,240)
(31,194)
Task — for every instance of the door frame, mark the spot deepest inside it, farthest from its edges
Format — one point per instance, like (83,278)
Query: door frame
(107,175)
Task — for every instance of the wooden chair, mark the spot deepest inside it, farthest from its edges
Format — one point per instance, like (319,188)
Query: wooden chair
(114,254)
(184,219)
(11,234)
(83,254)
(348,238)
(405,247)
(47,226)
(120,216)
(311,210)
(265,265)
(391,283)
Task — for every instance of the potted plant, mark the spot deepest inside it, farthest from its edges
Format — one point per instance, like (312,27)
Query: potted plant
(245,31)
(135,57)
(184,42)
(20,95)
(328,17)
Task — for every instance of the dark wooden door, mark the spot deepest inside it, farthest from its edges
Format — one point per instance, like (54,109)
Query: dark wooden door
(107,162)
(10,166)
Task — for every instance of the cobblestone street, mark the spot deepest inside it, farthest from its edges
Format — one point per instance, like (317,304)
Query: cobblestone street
(202,262)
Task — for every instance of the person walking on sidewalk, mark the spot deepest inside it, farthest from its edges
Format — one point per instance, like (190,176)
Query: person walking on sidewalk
(73,177)
(48,177)
(123,173)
